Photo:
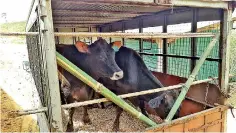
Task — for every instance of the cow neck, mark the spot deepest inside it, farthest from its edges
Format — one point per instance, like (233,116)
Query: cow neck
(145,70)
(83,63)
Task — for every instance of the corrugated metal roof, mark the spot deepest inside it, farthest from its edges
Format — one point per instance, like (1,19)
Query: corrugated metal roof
(93,13)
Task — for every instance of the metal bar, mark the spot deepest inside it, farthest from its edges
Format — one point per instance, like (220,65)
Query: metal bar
(91,13)
(197,3)
(197,101)
(115,34)
(77,72)
(110,29)
(89,102)
(180,56)
(194,40)
(48,41)
(140,39)
(221,44)
(227,27)
(119,3)
(188,83)
(135,35)
(164,30)
(19,33)
(123,31)
(81,18)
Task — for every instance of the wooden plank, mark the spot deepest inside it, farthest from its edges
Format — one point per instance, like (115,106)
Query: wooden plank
(207,125)
(194,124)
(224,122)
(177,128)
(213,117)
(48,40)
(214,128)
(186,119)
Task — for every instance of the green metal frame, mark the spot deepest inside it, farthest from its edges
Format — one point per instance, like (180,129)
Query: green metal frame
(191,78)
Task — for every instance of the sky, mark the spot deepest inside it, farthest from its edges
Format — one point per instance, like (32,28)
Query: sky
(17,10)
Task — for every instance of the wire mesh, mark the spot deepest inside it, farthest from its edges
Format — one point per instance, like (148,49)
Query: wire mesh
(150,45)
(209,68)
(179,46)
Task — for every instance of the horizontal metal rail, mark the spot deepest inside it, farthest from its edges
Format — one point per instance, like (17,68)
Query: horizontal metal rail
(135,35)
(114,34)
(178,56)
(19,33)
(89,102)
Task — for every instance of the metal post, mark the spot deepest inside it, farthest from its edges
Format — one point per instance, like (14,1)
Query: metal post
(227,27)
(74,38)
(193,39)
(164,30)
(48,41)
(188,83)
(123,31)
(110,29)
(141,40)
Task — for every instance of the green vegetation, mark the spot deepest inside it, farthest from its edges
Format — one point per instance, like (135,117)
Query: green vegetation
(13,27)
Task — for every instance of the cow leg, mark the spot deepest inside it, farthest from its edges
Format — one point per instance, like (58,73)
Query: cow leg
(142,107)
(70,126)
(86,118)
(116,124)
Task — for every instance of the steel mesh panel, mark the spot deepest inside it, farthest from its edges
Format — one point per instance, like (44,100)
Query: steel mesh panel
(209,68)
(179,46)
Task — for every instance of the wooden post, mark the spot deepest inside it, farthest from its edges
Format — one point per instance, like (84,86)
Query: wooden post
(48,41)
(164,30)
(226,30)
(193,39)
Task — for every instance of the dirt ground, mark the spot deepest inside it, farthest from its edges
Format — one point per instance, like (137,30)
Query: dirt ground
(18,84)
(15,124)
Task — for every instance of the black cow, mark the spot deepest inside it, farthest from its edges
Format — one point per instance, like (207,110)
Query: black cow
(97,60)
(136,78)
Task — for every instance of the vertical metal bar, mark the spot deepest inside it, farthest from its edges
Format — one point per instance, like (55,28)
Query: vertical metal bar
(164,30)
(74,38)
(110,29)
(227,27)
(54,105)
(91,38)
(141,40)
(123,31)
(221,45)
(188,83)
(194,39)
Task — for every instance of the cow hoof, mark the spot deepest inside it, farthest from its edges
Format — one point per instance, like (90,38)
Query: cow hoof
(70,128)
(115,128)
(87,121)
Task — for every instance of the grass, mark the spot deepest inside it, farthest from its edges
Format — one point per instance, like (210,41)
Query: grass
(13,27)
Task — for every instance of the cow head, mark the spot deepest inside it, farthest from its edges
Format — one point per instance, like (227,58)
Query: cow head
(163,103)
(100,59)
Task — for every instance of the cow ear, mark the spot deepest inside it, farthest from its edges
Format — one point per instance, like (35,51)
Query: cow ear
(82,47)
(116,44)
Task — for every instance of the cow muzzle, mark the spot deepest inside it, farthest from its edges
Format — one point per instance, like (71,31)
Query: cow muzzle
(117,75)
